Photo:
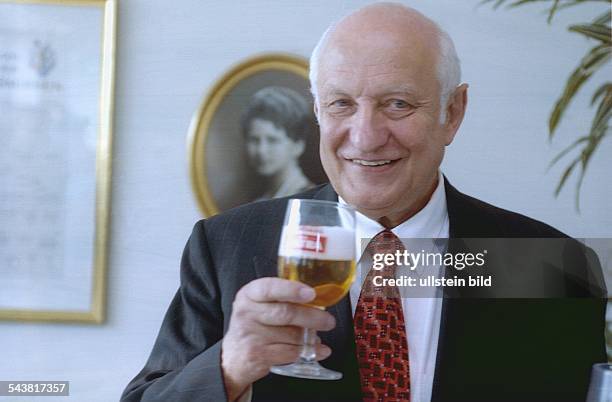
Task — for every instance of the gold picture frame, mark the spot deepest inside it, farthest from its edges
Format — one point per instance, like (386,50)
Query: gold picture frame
(54,63)
(219,173)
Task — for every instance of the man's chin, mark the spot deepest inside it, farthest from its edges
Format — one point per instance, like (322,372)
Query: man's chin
(371,204)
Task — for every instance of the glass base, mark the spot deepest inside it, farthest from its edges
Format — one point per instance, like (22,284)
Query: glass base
(305,369)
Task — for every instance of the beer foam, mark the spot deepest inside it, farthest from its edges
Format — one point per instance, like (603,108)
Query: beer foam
(318,242)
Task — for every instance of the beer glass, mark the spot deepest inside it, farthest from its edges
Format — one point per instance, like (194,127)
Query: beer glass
(317,247)
(600,388)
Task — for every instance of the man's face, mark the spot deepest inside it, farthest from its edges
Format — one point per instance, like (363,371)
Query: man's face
(378,110)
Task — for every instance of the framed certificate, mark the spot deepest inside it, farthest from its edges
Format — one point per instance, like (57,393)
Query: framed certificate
(255,135)
(56,97)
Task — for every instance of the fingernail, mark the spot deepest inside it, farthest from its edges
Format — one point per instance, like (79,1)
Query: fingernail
(307,294)
(331,322)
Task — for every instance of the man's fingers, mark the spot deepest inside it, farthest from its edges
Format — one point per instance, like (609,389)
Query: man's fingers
(288,314)
(323,352)
(277,289)
(288,335)
(279,353)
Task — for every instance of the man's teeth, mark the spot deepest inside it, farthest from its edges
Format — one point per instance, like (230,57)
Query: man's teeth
(371,163)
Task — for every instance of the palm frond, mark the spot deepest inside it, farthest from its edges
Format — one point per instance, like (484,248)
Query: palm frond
(552,11)
(595,31)
(566,174)
(598,56)
(585,157)
(600,30)
(603,19)
(599,130)
(561,154)
(604,112)
(556,5)
(496,4)
(607,87)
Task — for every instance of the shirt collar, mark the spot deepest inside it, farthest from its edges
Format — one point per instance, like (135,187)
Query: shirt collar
(429,222)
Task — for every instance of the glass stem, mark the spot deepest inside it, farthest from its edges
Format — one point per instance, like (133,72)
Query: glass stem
(309,352)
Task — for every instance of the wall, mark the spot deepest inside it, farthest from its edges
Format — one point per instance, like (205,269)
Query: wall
(170,53)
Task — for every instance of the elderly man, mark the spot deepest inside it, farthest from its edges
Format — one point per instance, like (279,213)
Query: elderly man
(388,99)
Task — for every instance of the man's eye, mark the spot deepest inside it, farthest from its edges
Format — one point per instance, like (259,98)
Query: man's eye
(398,104)
(340,103)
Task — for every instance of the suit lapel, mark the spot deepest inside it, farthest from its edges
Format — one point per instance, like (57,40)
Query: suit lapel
(462,224)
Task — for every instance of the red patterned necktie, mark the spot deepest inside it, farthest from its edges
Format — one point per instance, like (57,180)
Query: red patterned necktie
(380,332)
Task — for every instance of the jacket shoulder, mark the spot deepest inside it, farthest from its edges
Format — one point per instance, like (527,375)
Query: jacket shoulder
(471,217)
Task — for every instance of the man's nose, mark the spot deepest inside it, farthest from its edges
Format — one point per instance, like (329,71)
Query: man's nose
(367,131)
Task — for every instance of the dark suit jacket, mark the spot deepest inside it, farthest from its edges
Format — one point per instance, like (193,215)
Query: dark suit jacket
(489,349)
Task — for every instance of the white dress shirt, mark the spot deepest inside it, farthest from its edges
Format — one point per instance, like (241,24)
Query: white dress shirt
(422,314)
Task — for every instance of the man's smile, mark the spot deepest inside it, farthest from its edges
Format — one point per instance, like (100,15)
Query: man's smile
(373,164)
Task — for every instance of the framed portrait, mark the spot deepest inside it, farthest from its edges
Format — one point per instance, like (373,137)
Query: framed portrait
(255,135)
(56,97)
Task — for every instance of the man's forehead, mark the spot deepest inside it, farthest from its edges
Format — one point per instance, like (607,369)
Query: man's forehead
(376,50)
(355,88)
(398,70)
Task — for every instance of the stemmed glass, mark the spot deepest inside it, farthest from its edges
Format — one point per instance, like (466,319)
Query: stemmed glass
(317,248)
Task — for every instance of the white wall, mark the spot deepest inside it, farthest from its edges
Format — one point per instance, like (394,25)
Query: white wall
(170,53)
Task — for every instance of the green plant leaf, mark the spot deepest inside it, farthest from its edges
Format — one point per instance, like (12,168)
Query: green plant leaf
(565,175)
(585,157)
(603,114)
(607,87)
(555,6)
(567,150)
(572,3)
(518,3)
(578,187)
(598,56)
(591,62)
(553,10)
(599,130)
(603,19)
(595,31)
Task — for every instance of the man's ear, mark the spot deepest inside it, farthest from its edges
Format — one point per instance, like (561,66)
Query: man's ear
(455,111)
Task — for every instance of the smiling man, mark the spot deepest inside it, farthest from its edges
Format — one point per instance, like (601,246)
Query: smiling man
(381,85)
(386,82)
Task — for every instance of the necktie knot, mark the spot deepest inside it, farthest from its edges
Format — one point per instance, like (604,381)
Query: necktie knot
(385,242)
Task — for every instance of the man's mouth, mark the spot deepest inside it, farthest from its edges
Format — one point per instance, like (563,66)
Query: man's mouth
(379,162)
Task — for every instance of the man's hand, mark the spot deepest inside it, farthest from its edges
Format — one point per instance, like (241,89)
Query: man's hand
(265,329)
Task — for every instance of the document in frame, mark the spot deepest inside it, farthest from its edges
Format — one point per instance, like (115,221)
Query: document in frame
(55,133)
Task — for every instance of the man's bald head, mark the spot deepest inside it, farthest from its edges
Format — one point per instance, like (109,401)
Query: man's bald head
(391,24)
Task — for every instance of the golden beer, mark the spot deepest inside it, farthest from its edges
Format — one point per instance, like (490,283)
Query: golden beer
(330,279)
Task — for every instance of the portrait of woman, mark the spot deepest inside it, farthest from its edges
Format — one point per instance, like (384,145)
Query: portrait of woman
(255,135)
(275,125)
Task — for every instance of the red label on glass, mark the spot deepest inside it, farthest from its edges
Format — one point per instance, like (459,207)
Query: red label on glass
(313,242)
